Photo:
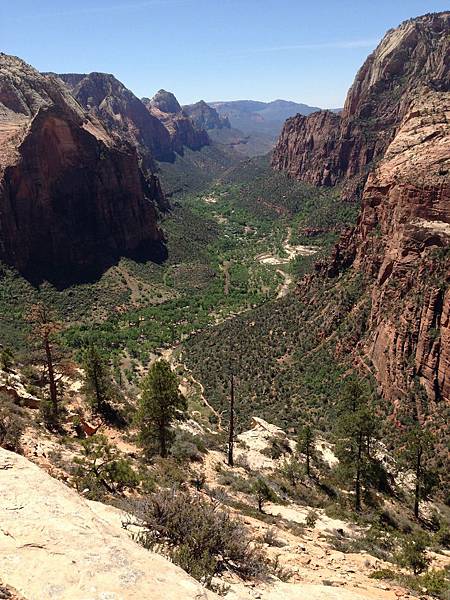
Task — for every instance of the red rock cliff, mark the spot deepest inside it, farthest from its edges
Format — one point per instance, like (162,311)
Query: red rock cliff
(325,149)
(166,108)
(72,197)
(402,244)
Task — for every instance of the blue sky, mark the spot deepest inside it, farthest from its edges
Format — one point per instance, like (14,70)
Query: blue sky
(210,49)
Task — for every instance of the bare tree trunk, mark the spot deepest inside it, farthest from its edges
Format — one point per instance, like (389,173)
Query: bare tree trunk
(358,474)
(418,475)
(231,426)
(51,376)
(308,452)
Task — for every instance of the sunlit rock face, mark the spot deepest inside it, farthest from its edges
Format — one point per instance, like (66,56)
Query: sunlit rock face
(325,148)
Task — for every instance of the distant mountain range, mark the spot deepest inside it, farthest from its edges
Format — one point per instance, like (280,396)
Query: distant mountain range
(251,116)
(249,127)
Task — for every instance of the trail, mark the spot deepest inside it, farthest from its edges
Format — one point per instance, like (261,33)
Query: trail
(168,355)
(292,252)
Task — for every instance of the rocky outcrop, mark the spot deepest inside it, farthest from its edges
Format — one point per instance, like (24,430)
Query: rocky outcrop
(55,544)
(165,102)
(165,107)
(72,196)
(108,99)
(205,117)
(326,148)
(401,243)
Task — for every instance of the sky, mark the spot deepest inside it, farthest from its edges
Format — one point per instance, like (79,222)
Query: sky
(307,51)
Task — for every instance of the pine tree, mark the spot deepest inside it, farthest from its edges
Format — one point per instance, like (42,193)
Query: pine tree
(305,446)
(355,430)
(159,406)
(97,380)
(44,330)
(418,446)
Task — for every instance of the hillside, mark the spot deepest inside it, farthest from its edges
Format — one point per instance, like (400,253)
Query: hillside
(223,375)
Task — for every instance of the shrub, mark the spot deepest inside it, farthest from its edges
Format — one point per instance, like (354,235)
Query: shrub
(311,518)
(102,469)
(12,424)
(187,447)
(277,448)
(263,492)
(413,554)
(292,471)
(195,534)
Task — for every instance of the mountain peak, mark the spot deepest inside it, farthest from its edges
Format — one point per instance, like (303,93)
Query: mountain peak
(166,102)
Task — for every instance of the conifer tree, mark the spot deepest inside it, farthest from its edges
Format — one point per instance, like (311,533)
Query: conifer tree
(160,404)
(305,446)
(355,429)
(97,382)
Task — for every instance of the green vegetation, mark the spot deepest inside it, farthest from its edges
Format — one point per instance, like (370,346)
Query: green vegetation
(101,469)
(283,354)
(204,540)
(161,402)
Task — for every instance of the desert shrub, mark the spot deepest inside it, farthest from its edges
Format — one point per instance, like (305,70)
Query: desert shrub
(263,492)
(442,537)
(12,423)
(241,461)
(413,555)
(436,582)
(387,574)
(270,538)
(311,518)
(101,469)
(169,472)
(196,534)
(282,573)
(277,447)
(187,447)
(235,482)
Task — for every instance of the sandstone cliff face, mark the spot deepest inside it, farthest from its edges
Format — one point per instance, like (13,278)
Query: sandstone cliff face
(108,99)
(325,149)
(165,107)
(72,198)
(55,544)
(205,117)
(402,242)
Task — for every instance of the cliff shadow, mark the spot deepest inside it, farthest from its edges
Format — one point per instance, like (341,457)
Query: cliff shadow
(67,275)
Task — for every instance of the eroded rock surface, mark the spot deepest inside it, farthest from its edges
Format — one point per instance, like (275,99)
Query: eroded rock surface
(56,545)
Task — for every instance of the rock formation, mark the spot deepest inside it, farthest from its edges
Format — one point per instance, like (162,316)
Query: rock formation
(325,148)
(401,242)
(205,117)
(166,108)
(391,146)
(72,196)
(55,544)
(107,98)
